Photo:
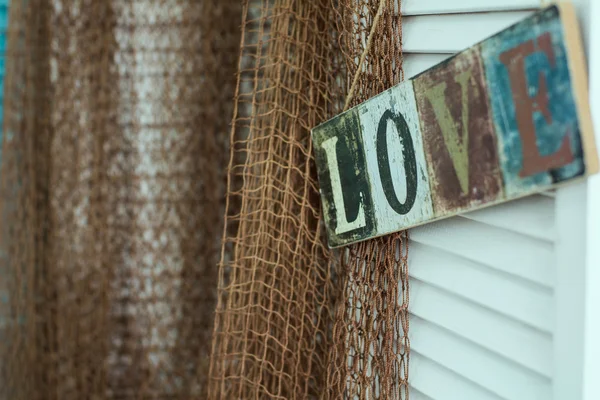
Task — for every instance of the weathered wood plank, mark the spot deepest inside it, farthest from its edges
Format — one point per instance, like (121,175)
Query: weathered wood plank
(399,181)
(534,108)
(459,136)
(501,120)
(348,210)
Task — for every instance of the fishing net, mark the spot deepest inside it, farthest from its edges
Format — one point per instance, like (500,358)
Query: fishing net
(273,320)
(275,335)
(371,352)
(116,126)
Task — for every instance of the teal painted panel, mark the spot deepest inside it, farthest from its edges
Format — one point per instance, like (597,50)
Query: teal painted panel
(528,72)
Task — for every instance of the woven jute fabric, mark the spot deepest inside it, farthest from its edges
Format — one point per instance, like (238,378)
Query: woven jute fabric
(117,116)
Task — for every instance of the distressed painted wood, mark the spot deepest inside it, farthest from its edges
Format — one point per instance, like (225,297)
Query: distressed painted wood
(534,107)
(348,208)
(398,180)
(459,135)
(504,119)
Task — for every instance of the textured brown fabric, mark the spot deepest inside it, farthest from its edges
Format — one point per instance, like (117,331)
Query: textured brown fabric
(113,177)
(117,115)
(371,345)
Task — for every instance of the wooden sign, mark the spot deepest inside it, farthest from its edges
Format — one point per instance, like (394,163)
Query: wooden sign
(506,118)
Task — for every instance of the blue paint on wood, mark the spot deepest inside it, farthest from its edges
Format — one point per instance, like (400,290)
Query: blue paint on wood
(3,40)
(4,298)
(560,99)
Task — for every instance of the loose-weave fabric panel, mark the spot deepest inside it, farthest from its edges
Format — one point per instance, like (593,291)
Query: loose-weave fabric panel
(113,181)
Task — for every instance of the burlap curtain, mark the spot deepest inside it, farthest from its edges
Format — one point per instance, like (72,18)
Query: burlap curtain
(115,179)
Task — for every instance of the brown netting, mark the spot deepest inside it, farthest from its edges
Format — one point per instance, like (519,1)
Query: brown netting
(273,321)
(274,331)
(117,118)
(371,352)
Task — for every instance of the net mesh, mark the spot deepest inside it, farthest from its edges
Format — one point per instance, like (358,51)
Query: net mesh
(371,345)
(275,332)
(117,115)
(272,325)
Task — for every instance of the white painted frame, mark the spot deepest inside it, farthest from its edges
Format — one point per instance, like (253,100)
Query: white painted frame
(591,357)
(577,290)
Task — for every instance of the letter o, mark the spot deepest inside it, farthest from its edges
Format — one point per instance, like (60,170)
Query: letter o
(410,162)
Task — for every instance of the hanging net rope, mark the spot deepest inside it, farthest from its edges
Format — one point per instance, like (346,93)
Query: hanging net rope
(117,115)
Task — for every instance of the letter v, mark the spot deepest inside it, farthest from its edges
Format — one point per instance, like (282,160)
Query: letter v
(458,146)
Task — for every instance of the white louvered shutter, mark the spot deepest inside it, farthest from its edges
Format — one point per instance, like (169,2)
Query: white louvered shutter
(493,291)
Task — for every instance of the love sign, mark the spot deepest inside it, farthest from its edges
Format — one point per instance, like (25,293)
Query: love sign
(505,118)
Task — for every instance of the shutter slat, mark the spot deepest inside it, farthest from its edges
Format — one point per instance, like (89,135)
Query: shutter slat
(500,376)
(415,7)
(417,395)
(533,216)
(440,383)
(529,303)
(517,342)
(516,254)
(415,63)
(454,32)
(549,193)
